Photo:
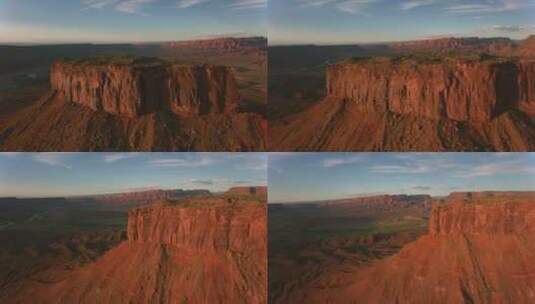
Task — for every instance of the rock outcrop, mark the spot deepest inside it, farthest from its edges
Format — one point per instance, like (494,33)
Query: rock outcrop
(147,196)
(141,86)
(206,224)
(484,213)
(479,249)
(497,46)
(222,44)
(380,201)
(458,89)
(203,250)
(527,47)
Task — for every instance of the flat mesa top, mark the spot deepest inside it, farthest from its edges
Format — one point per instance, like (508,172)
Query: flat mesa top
(130,61)
(224,200)
(428,58)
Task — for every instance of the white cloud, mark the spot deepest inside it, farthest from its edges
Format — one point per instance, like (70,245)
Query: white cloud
(98,4)
(497,6)
(179,162)
(354,6)
(132,6)
(411,4)
(248,4)
(314,3)
(114,157)
(189,3)
(334,162)
(514,167)
(51,159)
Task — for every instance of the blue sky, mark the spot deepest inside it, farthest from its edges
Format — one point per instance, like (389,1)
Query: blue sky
(363,21)
(53,21)
(62,174)
(319,176)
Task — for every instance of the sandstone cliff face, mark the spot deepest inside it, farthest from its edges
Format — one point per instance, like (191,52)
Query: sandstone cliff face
(494,217)
(211,228)
(138,88)
(202,250)
(459,89)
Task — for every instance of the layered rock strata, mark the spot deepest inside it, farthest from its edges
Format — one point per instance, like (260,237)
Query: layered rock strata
(457,89)
(144,86)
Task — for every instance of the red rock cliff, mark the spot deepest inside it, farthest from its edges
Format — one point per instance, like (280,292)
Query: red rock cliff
(484,213)
(208,224)
(458,89)
(143,86)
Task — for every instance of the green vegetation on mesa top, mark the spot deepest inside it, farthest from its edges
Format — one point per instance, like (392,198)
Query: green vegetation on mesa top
(428,58)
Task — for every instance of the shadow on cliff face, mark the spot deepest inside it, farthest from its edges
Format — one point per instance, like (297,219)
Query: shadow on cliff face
(508,89)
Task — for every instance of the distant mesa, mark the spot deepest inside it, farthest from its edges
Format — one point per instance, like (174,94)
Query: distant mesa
(255,191)
(138,86)
(224,44)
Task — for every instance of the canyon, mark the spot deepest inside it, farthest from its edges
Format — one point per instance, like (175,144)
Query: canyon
(194,250)
(462,99)
(478,249)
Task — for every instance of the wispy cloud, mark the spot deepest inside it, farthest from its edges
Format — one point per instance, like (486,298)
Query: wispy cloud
(115,157)
(506,167)
(354,6)
(346,6)
(132,6)
(51,159)
(334,162)
(412,4)
(202,161)
(123,6)
(189,3)
(248,4)
(482,7)
(98,4)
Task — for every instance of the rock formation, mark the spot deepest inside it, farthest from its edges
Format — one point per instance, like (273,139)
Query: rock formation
(223,44)
(457,89)
(527,47)
(418,103)
(497,46)
(479,250)
(146,196)
(136,104)
(202,250)
(143,86)
(378,201)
